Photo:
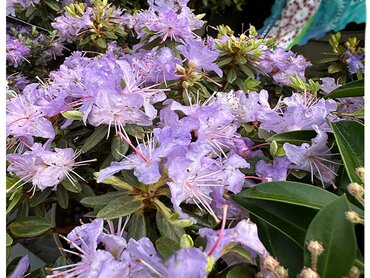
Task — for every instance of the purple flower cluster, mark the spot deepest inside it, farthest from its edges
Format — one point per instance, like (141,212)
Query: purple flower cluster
(201,55)
(43,166)
(107,253)
(166,19)
(282,65)
(198,152)
(16,51)
(354,61)
(25,43)
(23,4)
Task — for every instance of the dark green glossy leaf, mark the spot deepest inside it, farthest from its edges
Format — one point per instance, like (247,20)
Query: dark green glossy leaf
(136,227)
(351,89)
(284,217)
(95,138)
(62,197)
(277,244)
(30,226)
(331,228)
(349,136)
(102,200)
(297,137)
(119,207)
(39,197)
(289,192)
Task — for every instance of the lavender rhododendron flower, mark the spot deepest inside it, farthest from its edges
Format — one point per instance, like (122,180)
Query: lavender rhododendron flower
(201,55)
(354,61)
(314,158)
(346,104)
(275,171)
(44,167)
(16,51)
(302,111)
(282,65)
(167,19)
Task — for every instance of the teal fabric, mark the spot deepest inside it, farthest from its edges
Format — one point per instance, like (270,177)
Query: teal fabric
(331,15)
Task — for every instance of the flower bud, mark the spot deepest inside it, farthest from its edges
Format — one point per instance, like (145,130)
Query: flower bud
(360,172)
(315,247)
(354,272)
(353,216)
(355,189)
(258,275)
(281,272)
(308,273)
(270,264)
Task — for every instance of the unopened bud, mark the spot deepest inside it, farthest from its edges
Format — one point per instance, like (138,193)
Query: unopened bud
(259,275)
(355,189)
(270,264)
(360,172)
(353,216)
(308,273)
(315,247)
(354,272)
(281,272)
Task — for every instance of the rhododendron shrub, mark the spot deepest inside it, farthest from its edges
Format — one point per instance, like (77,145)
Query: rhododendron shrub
(156,150)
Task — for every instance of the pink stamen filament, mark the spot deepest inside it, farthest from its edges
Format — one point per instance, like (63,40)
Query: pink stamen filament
(132,146)
(210,79)
(260,145)
(256,178)
(224,208)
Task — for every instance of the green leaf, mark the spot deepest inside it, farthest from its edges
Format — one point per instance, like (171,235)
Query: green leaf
(119,147)
(136,227)
(62,197)
(119,207)
(297,137)
(288,192)
(13,203)
(73,115)
(231,76)
(246,70)
(166,247)
(95,138)
(186,241)
(225,61)
(284,217)
(101,43)
(360,114)
(110,35)
(30,226)
(277,244)
(53,5)
(242,270)
(168,230)
(349,136)
(331,228)
(335,68)
(102,200)
(39,197)
(351,89)
(9,240)
(75,188)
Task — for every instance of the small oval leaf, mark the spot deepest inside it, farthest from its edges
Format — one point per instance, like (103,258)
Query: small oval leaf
(30,226)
